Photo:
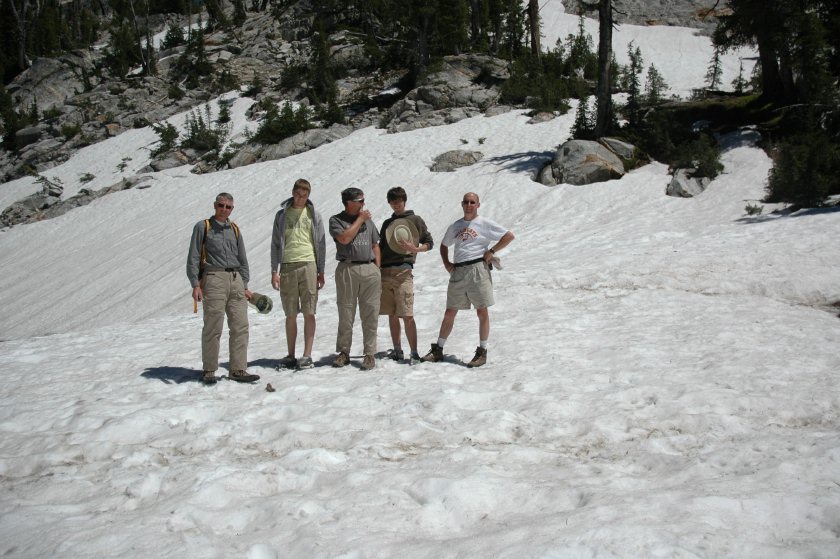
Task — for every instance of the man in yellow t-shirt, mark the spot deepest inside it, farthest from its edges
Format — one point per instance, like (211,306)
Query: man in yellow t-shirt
(298,244)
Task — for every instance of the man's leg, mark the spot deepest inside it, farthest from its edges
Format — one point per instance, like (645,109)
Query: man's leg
(346,302)
(291,334)
(394,326)
(410,332)
(370,292)
(480,357)
(483,325)
(308,334)
(214,320)
(237,315)
(446,324)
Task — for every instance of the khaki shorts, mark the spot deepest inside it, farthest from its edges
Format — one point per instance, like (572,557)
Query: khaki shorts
(470,285)
(397,292)
(299,288)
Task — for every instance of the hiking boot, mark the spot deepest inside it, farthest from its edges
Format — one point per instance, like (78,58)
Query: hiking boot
(288,362)
(479,359)
(342,360)
(243,376)
(369,362)
(414,359)
(435,354)
(396,354)
(209,377)
(305,363)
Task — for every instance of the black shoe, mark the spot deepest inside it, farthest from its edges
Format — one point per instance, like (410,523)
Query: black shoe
(243,376)
(288,362)
(209,377)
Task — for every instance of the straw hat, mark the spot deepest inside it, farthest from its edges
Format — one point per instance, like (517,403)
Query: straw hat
(263,303)
(401,229)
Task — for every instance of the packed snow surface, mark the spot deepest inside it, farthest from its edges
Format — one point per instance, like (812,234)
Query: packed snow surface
(662,377)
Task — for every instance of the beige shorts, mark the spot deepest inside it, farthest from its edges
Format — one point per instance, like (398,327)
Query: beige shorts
(299,288)
(397,292)
(470,285)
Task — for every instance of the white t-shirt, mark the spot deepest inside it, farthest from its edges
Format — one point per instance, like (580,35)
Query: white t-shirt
(472,238)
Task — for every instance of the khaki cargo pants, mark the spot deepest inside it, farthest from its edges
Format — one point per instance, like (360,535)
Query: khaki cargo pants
(224,294)
(357,284)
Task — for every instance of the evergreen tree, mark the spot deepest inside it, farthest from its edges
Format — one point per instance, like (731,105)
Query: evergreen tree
(584,127)
(795,45)
(655,87)
(632,110)
(714,71)
(739,84)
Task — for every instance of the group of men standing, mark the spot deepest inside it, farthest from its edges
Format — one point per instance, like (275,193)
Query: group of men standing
(374,275)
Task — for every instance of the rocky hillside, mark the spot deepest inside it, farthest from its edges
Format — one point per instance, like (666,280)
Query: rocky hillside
(80,104)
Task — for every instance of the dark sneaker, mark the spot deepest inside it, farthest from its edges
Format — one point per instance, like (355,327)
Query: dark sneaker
(305,363)
(396,354)
(435,354)
(209,377)
(342,360)
(369,362)
(479,359)
(288,362)
(243,376)
(414,359)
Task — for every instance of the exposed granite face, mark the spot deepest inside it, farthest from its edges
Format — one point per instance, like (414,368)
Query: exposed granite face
(683,13)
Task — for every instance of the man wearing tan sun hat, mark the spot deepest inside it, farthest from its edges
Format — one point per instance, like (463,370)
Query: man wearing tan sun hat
(402,236)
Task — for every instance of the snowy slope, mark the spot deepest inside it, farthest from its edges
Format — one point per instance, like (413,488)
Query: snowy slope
(662,377)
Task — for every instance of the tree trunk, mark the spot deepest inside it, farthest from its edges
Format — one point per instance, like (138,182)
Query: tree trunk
(771,81)
(534,25)
(603,90)
(20,23)
(475,21)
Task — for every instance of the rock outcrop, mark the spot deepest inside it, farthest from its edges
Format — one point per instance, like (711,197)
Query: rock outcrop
(582,162)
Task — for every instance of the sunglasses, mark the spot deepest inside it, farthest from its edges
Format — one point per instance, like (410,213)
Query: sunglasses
(468,202)
(225,206)
(359,201)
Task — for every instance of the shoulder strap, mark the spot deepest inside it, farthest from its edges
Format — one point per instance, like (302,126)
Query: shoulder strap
(204,240)
(203,243)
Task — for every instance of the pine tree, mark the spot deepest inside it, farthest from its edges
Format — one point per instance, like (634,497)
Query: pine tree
(714,71)
(655,87)
(583,128)
(634,98)
(739,84)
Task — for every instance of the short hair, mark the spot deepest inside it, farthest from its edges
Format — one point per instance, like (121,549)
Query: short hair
(349,194)
(224,196)
(477,199)
(397,193)
(302,184)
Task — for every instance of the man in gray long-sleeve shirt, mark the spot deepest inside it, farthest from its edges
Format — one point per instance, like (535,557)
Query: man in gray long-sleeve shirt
(217,268)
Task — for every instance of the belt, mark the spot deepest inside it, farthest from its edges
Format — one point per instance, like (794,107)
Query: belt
(215,269)
(357,261)
(468,262)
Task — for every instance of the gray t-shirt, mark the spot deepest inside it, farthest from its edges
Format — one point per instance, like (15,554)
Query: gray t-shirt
(361,248)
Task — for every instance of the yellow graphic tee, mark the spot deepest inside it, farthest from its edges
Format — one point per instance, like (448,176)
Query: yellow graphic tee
(299,246)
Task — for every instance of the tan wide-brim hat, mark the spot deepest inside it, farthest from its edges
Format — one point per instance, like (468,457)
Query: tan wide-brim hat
(398,230)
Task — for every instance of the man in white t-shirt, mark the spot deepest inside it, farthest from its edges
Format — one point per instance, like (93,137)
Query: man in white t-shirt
(470,283)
